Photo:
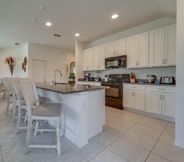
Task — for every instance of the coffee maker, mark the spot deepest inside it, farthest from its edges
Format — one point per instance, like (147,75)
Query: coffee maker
(87,76)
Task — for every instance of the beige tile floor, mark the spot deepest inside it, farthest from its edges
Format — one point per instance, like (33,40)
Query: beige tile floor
(127,137)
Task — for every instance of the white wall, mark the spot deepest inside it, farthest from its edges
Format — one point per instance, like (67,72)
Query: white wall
(133,31)
(79,47)
(179,137)
(18,55)
(55,59)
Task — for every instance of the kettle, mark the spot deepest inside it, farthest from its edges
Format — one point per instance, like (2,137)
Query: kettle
(151,78)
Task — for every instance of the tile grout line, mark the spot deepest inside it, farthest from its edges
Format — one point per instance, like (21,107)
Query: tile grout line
(1,153)
(156,143)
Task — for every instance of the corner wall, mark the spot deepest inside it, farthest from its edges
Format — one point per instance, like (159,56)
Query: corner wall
(55,59)
(18,55)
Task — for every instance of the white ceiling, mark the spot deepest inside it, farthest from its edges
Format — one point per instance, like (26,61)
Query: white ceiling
(91,18)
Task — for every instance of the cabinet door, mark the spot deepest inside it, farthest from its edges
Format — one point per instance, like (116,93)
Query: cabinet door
(168,104)
(128,98)
(170,45)
(96,54)
(139,100)
(142,50)
(101,61)
(87,59)
(153,102)
(120,47)
(157,47)
(132,51)
(110,50)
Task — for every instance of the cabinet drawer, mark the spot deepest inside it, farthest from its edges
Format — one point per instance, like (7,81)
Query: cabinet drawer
(160,88)
(134,87)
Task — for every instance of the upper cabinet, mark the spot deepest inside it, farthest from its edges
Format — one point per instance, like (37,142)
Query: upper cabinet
(163,46)
(116,48)
(87,59)
(99,57)
(137,51)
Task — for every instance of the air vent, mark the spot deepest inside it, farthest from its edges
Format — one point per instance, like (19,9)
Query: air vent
(57,35)
(17,44)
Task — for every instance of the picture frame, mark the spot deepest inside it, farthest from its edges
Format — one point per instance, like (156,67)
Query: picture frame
(67,69)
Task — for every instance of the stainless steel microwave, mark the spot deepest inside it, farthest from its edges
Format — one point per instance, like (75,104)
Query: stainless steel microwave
(116,62)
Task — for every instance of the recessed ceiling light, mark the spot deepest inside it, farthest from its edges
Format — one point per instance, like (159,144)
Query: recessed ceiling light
(42,8)
(77,34)
(17,44)
(33,19)
(114,16)
(48,24)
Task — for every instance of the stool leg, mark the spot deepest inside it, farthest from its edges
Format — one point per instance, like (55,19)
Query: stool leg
(14,110)
(58,129)
(25,119)
(19,118)
(29,129)
(36,128)
(8,102)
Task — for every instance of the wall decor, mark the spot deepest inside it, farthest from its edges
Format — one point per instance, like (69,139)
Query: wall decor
(10,61)
(67,68)
(24,64)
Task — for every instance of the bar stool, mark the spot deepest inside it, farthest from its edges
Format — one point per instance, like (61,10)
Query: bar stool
(47,111)
(2,90)
(8,92)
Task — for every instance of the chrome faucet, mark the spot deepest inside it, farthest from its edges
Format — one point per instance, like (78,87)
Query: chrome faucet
(54,81)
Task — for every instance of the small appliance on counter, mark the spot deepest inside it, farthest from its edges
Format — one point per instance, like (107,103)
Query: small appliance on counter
(151,79)
(97,79)
(167,80)
(87,77)
(91,79)
(106,78)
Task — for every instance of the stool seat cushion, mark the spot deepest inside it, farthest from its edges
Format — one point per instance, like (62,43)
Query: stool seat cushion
(47,110)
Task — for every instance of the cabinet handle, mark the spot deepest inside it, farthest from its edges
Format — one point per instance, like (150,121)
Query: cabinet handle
(116,52)
(161,89)
(133,87)
(163,61)
(162,97)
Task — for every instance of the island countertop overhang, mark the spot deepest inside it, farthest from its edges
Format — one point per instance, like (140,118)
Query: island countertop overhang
(67,88)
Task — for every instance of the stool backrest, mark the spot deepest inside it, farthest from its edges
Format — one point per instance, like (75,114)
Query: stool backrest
(30,94)
(7,85)
(17,89)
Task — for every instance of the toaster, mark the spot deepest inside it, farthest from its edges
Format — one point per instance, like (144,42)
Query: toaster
(167,80)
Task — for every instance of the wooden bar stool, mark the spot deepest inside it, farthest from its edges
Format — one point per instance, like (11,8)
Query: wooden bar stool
(47,111)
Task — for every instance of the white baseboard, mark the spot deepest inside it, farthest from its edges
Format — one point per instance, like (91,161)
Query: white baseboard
(179,144)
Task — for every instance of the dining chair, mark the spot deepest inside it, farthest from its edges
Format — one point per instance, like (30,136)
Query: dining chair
(46,111)
(6,83)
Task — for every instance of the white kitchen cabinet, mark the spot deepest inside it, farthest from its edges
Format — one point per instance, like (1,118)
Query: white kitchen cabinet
(87,59)
(137,51)
(161,100)
(99,57)
(134,96)
(116,48)
(163,46)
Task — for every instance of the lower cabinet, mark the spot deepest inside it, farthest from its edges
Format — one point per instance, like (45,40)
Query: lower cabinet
(134,96)
(150,98)
(161,100)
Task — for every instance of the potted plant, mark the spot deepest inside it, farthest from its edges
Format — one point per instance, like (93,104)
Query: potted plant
(72,76)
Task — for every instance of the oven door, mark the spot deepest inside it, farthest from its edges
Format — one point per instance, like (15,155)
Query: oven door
(114,96)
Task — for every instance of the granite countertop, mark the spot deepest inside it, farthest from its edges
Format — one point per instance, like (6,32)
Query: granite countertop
(67,88)
(173,85)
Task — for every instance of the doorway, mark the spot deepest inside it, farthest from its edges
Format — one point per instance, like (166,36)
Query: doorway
(39,70)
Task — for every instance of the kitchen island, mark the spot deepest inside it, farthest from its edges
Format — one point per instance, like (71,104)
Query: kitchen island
(83,109)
